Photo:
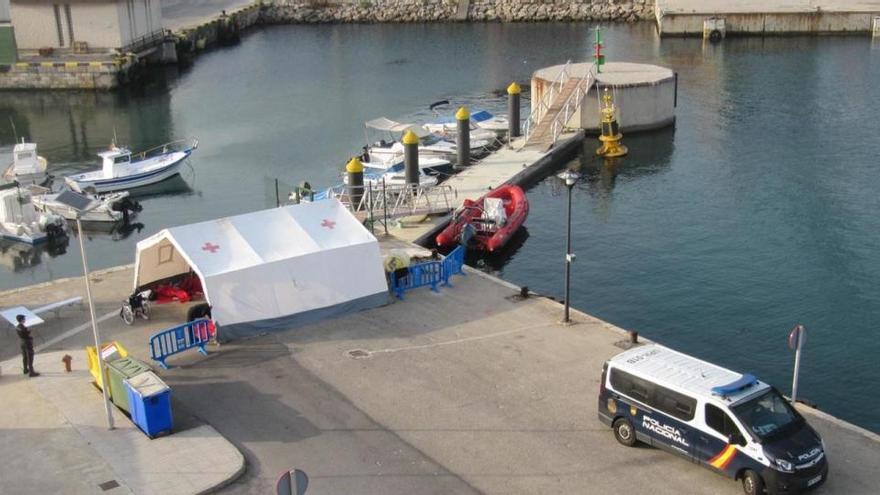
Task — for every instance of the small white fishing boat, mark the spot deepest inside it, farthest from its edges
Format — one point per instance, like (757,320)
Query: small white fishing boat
(27,166)
(112,207)
(480,119)
(378,161)
(430,145)
(120,169)
(20,221)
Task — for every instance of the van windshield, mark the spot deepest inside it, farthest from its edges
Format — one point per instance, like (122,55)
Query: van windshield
(767,415)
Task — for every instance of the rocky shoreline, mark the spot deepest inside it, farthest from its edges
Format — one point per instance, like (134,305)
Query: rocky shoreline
(369,11)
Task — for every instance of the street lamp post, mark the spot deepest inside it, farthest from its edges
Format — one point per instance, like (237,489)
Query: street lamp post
(570,177)
(83,204)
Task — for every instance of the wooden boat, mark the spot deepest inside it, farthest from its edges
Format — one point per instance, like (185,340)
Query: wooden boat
(121,169)
(489,222)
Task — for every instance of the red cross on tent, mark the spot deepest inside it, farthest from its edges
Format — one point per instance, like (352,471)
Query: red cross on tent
(211,248)
(328,223)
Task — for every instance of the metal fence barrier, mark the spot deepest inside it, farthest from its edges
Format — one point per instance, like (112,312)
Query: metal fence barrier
(178,339)
(429,273)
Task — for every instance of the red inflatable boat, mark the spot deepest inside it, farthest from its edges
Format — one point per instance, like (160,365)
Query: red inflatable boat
(489,222)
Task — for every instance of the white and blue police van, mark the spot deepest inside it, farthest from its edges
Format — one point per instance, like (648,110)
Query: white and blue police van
(730,423)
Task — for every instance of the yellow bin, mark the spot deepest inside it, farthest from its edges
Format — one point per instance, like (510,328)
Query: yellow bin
(111,352)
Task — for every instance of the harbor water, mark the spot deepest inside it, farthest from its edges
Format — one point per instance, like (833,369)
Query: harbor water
(758,211)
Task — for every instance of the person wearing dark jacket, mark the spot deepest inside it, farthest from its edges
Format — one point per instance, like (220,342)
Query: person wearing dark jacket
(27,346)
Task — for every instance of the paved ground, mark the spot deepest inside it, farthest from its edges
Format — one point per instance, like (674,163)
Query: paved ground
(178,14)
(55,440)
(468,390)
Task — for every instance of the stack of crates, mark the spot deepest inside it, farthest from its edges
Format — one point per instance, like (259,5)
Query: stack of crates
(133,388)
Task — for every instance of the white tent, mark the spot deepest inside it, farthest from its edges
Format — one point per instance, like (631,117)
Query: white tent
(272,268)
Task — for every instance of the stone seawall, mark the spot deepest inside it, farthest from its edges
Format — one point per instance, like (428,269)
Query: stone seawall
(321,11)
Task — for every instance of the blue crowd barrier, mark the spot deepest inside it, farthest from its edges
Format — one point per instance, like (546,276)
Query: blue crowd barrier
(453,264)
(429,273)
(194,334)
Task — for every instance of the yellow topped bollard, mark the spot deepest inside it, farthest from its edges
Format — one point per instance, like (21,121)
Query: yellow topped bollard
(513,110)
(611,135)
(355,170)
(463,138)
(354,166)
(411,159)
(410,138)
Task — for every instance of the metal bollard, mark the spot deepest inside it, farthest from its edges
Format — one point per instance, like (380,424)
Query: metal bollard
(66,360)
(513,104)
(355,171)
(463,138)
(411,158)
(633,337)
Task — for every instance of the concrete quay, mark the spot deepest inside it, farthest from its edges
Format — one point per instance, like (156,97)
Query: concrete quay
(758,18)
(471,389)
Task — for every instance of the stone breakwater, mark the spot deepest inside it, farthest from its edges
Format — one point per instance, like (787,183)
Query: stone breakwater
(321,11)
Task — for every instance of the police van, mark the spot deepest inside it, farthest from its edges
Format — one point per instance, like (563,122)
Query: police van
(730,423)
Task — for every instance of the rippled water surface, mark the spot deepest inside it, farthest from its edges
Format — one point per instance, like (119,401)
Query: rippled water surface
(758,211)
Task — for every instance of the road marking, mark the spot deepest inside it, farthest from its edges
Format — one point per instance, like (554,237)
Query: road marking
(74,331)
(448,342)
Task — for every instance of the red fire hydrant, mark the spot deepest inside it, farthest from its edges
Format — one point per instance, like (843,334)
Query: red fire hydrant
(66,360)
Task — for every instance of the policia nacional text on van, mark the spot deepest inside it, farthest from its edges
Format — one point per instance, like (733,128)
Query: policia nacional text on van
(732,424)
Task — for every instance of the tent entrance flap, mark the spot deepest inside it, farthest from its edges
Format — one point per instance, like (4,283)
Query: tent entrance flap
(159,261)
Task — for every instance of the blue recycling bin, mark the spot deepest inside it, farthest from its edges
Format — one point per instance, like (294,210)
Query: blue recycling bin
(150,401)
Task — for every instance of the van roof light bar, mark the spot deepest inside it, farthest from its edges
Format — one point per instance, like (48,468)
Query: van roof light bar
(745,381)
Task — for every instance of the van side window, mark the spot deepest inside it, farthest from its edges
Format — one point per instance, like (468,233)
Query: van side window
(674,404)
(719,421)
(661,398)
(631,386)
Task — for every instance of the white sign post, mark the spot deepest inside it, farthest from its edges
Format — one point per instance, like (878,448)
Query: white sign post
(796,339)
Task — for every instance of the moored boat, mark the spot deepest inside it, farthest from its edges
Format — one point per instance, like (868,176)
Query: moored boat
(27,166)
(20,221)
(489,222)
(111,207)
(121,169)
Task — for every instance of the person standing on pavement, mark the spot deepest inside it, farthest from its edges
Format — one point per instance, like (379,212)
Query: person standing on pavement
(27,346)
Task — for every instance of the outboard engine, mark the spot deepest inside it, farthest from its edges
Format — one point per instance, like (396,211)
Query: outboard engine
(54,226)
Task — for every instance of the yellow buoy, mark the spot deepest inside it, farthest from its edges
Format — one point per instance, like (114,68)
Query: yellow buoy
(610,135)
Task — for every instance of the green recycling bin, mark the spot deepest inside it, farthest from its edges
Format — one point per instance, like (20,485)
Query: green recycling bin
(119,370)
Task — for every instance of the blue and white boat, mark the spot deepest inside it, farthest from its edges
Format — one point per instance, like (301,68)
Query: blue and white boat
(121,169)
(484,125)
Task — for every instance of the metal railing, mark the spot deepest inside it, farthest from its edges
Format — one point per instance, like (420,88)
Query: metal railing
(572,104)
(194,334)
(185,145)
(543,104)
(453,264)
(385,201)
(146,41)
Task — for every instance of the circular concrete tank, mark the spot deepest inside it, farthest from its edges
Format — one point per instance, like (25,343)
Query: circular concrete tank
(644,94)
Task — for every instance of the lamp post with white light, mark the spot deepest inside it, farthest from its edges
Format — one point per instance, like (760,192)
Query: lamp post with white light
(570,177)
(83,204)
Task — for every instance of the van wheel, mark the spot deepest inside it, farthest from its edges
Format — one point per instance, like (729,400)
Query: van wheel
(624,432)
(752,483)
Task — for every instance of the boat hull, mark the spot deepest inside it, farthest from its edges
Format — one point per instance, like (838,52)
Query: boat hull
(484,238)
(131,181)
